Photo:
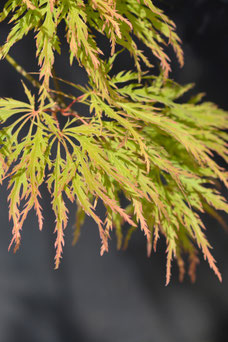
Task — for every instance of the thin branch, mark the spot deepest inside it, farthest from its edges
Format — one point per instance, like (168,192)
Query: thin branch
(22,71)
(26,75)
(59,95)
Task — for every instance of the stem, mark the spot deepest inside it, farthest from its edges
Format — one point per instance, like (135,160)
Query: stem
(72,97)
(59,95)
(26,75)
(22,71)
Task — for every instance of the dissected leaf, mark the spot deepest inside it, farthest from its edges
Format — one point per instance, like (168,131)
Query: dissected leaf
(141,144)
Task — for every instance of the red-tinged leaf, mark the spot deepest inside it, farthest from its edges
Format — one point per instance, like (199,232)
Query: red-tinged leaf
(59,243)
(156,236)
(14,212)
(168,264)
(193,262)
(181,266)
(61,212)
(52,3)
(208,256)
(149,247)
(80,218)
(140,218)
(29,4)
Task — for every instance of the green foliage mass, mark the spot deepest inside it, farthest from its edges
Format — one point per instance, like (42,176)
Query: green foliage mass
(140,141)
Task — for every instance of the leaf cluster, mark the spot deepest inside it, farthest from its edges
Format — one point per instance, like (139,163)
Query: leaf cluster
(140,141)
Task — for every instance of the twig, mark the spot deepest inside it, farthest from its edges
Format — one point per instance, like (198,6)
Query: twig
(22,71)
(26,75)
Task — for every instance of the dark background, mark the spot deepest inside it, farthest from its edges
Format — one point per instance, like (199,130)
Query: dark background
(121,296)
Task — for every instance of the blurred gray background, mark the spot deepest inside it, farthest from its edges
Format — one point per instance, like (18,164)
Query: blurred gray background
(120,297)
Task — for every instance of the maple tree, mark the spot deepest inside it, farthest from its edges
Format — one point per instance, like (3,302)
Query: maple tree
(140,141)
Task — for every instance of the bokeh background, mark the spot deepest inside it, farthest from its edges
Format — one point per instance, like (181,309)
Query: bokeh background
(120,297)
